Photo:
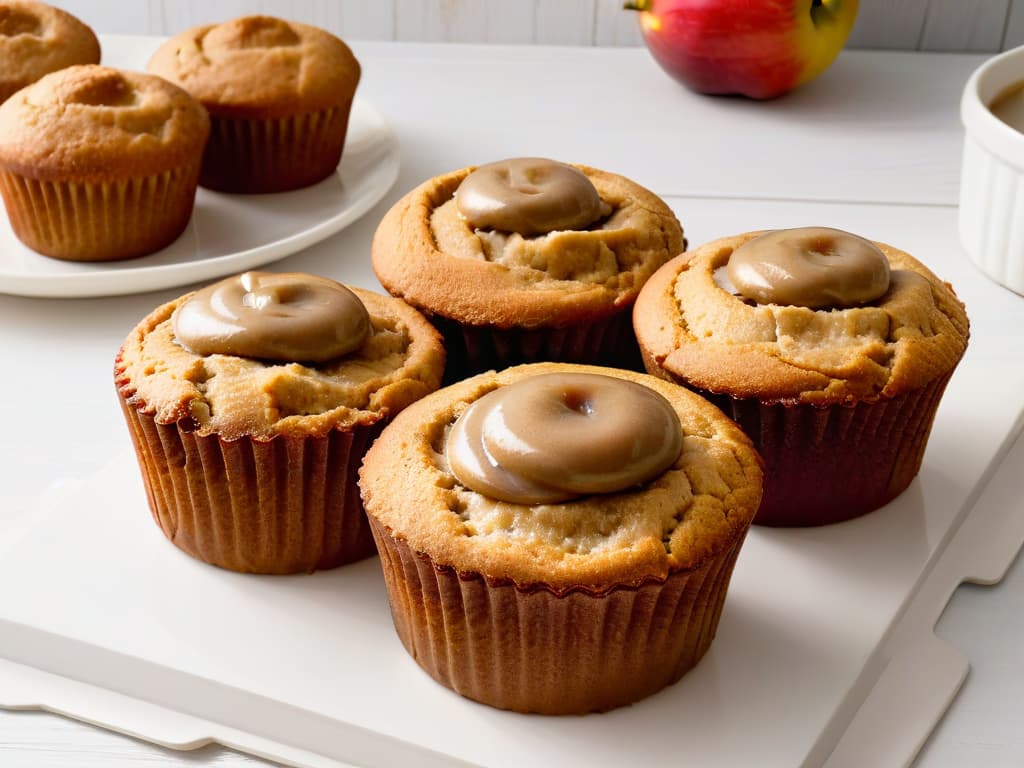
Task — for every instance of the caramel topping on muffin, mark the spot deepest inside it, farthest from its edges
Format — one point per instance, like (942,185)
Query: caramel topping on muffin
(675,520)
(529,195)
(558,436)
(694,327)
(289,316)
(36,39)
(230,395)
(813,267)
(428,253)
(259,67)
(97,122)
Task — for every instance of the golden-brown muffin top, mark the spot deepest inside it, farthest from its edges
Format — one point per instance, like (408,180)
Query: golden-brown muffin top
(96,122)
(699,332)
(425,252)
(36,39)
(692,511)
(232,396)
(259,67)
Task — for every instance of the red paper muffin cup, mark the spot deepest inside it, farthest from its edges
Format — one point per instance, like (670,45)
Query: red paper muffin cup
(539,650)
(251,155)
(828,464)
(473,349)
(283,505)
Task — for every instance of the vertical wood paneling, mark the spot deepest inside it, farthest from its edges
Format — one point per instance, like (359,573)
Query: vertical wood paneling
(1015,26)
(964,25)
(509,21)
(373,20)
(448,21)
(115,17)
(940,25)
(564,22)
(895,24)
(615,26)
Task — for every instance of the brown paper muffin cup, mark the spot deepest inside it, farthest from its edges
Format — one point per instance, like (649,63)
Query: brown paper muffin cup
(473,349)
(828,464)
(284,505)
(537,650)
(103,220)
(249,155)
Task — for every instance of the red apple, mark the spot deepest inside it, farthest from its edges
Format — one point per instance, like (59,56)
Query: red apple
(759,48)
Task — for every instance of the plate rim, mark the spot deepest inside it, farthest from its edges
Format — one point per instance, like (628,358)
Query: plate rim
(144,279)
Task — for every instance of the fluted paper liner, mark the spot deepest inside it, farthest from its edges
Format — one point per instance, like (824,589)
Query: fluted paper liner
(283,505)
(274,155)
(538,650)
(828,464)
(101,220)
(473,349)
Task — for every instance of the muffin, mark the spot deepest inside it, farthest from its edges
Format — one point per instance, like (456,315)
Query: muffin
(250,404)
(526,260)
(99,164)
(830,351)
(36,39)
(559,538)
(278,93)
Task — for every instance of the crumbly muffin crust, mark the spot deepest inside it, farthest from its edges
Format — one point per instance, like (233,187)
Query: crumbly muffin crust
(259,67)
(235,396)
(692,328)
(36,39)
(424,252)
(93,123)
(677,521)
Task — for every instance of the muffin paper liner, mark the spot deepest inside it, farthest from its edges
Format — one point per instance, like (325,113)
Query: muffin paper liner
(828,464)
(536,649)
(475,349)
(283,505)
(249,155)
(100,221)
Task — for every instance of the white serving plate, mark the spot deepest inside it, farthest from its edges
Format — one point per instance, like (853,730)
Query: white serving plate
(227,233)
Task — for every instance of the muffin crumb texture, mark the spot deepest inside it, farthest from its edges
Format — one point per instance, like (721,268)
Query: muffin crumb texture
(234,396)
(719,342)
(674,522)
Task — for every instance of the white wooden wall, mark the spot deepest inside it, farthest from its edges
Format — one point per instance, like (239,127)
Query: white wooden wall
(932,25)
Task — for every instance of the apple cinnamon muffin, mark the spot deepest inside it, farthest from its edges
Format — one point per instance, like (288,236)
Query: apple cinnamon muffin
(559,538)
(279,94)
(250,404)
(831,351)
(99,164)
(526,260)
(36,39)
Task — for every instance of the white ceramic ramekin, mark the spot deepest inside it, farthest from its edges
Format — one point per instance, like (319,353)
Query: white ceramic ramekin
(992,181)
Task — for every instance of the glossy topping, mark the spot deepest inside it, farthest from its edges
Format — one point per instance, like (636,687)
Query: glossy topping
(530,196)
(1009,106)
(289,316)
(554,437)
(813,267)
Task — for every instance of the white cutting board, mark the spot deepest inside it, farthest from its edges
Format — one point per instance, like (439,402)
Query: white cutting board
(95,594)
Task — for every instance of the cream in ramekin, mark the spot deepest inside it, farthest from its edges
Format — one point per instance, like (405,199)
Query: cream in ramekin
(992,181)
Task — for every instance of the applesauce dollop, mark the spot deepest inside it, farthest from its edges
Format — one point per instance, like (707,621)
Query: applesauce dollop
(290,316)
(814,267)
(530,196)
(558,436)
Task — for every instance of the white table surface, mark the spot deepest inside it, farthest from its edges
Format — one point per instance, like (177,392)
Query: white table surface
(873,145)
